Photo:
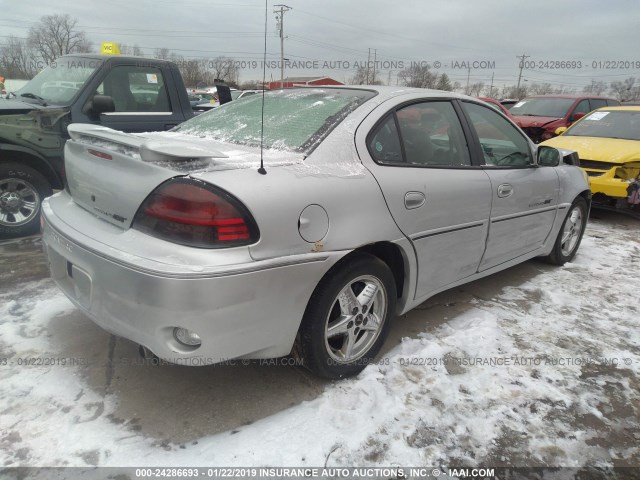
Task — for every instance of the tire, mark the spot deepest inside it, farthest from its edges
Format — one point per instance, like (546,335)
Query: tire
(355,339)
(570,235)
(22,190)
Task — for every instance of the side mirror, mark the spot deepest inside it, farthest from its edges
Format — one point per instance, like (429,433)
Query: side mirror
(560,130)
(100,104)
(548,156)
(577,116)
(570,157)
(103,104)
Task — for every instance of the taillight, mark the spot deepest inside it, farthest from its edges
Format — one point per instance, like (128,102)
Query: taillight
(197,214)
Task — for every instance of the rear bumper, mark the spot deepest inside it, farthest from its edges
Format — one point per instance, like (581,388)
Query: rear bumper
(250,310)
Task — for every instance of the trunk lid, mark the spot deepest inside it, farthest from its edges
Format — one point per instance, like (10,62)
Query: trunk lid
(110,173)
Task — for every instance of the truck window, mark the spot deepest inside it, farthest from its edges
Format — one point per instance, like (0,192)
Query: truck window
(136,89)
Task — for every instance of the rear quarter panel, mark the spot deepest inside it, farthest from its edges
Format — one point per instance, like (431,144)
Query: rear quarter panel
(332,177)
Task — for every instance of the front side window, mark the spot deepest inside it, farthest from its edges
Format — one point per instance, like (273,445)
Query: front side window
(502,144)
(136,89)
(582,107)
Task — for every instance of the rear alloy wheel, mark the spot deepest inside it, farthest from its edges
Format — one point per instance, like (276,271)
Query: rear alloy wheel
(22,190)
(570,235)
(348,317)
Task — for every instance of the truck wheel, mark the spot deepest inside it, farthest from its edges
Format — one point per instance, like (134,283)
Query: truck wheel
(347,318)
(21,192)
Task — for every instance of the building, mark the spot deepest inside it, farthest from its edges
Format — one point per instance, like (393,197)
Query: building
(290,82)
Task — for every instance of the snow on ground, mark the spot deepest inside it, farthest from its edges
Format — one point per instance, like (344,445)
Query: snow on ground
(545,373)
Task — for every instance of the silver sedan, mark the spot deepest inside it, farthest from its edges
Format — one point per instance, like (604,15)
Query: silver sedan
(371,200)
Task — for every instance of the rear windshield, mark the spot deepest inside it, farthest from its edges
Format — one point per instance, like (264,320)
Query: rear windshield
(608,124)
(294,119)
(543,107)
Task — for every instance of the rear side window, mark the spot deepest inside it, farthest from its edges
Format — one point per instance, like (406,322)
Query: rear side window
(613,103)
(598,103)
(421,134)
(385,142)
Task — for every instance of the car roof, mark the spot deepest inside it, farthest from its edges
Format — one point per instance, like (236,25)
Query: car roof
(632,108)
(387,92)
(569,96)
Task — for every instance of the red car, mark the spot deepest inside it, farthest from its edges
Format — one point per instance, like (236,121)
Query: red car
(498,106)
(540,116)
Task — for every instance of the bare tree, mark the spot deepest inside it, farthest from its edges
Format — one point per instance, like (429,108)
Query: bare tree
(162,53)
(492,91)
(540,89)
(17,59)
(224,68)
(195,72)
(137,51)
(596,88)
(623,90)
(475,89)
(418,76)
(57,35)
(360,77)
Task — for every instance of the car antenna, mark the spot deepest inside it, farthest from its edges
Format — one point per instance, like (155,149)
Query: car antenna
(261,170)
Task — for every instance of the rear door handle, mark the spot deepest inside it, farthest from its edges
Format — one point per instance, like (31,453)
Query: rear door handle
(414,200)
(505,190)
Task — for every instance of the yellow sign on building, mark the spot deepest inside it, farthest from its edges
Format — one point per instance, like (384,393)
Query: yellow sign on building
(110,48)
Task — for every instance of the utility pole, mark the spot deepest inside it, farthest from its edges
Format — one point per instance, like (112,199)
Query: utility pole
(368,62)
(468,77)
(522,58)
(280,17)
(375,56)
(491,88)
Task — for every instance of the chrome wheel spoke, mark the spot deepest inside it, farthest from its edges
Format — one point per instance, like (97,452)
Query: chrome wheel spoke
(348,301)
(367,297)
(30,206)
(19,217)
(340,326)
(349,344)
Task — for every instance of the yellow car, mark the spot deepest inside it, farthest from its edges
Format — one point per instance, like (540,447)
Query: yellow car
(608,143)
